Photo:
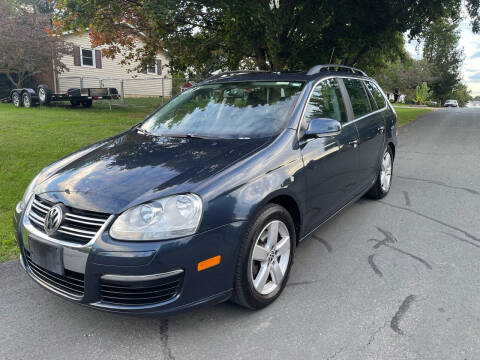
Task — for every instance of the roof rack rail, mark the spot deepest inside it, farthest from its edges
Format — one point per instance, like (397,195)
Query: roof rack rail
(317,68)
(226,73)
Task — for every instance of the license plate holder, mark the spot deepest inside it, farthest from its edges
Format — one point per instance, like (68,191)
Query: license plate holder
(47,256)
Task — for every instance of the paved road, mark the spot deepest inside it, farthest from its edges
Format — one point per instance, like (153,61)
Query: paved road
(395,279)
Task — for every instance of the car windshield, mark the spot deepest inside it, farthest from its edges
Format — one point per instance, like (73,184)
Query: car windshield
(226,110)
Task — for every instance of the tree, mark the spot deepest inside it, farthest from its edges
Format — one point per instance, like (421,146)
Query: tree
(404,74)
(256,34)
(461,94)
(39,6)
(26,46)
(422,93)
(445,58)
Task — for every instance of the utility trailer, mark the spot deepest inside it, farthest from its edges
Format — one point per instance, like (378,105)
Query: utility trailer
(27,97)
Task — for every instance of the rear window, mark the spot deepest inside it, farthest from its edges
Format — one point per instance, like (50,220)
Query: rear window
(377,95)
(358,97)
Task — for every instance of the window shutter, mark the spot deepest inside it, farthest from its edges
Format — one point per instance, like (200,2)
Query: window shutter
(98,59)
(159,67)
(76,56)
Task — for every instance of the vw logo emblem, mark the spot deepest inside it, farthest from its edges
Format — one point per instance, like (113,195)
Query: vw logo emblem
(53,219)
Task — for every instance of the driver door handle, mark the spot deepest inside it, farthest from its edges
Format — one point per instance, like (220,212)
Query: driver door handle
(354,143)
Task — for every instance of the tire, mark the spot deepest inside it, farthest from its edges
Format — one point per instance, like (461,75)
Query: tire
(248,290)
(379,191)
(44,94)
(17,99)
(87,103)
(27,100)
(74,102)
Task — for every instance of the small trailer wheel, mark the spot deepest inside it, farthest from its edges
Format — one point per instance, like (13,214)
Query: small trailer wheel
(87,103)
(44,94)
(17,99)
(74,102)
(27,99)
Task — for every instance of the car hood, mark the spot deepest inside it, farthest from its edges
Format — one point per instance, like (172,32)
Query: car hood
(134,167)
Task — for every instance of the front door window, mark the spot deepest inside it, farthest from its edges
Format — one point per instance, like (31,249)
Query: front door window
(326,102)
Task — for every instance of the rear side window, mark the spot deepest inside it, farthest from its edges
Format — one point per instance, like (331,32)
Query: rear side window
(377,95)
(358,97)
(326,102)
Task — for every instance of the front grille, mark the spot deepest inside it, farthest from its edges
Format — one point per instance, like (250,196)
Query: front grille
(144,293)
(71,283)
(78,226)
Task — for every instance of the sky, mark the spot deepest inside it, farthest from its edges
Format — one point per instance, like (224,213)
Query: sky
(470,43)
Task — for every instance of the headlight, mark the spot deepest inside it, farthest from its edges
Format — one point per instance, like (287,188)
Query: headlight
(27,194)
(167,218)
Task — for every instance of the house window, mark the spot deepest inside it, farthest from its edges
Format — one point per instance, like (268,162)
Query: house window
(152,69)
(87,57)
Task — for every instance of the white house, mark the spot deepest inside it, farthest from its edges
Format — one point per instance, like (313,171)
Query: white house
(88,68)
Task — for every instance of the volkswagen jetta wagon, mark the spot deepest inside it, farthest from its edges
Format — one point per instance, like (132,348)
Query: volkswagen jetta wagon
(207,198)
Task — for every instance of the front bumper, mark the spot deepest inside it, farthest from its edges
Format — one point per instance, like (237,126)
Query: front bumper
(129,277)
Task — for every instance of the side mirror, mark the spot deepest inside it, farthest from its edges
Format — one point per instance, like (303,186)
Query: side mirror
(323,127)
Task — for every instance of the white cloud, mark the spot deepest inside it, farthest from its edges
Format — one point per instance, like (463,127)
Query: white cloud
(471,65)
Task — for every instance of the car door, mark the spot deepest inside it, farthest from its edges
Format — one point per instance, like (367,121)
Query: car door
(370,124)
(330,163)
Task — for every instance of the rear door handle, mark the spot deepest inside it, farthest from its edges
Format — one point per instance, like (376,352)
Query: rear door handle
(381,129)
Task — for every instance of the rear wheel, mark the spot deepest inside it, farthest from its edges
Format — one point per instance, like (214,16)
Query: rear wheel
(44,94)
(17,99)
(265,258)
(384,178)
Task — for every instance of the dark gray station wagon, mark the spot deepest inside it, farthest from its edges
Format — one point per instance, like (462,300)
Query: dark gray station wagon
(207,198)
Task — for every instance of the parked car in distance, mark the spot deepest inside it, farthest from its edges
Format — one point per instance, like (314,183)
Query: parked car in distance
(451,103)
(207,198)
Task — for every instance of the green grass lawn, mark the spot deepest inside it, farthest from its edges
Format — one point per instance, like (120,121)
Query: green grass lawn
(406,114)
(32,138)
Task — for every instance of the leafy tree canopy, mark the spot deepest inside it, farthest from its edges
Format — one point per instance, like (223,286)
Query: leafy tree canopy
(441,51)
(201,35)
(461,94)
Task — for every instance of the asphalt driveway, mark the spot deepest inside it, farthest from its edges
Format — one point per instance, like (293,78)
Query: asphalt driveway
(394,279)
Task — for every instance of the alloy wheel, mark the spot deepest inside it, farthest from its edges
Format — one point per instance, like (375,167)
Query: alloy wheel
(16,100)
(270,257)
(26,101)
(386,172)
(42,95)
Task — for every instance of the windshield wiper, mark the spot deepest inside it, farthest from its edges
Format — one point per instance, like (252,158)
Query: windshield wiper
(189,136)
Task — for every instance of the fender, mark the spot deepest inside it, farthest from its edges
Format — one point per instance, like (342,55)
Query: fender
(23,90)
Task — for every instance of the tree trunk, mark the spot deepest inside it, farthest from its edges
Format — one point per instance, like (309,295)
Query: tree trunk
(16,84)
(260,57)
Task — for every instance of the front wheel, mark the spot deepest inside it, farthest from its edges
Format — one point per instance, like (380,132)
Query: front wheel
(17,99)
(384,178)
(265,258)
